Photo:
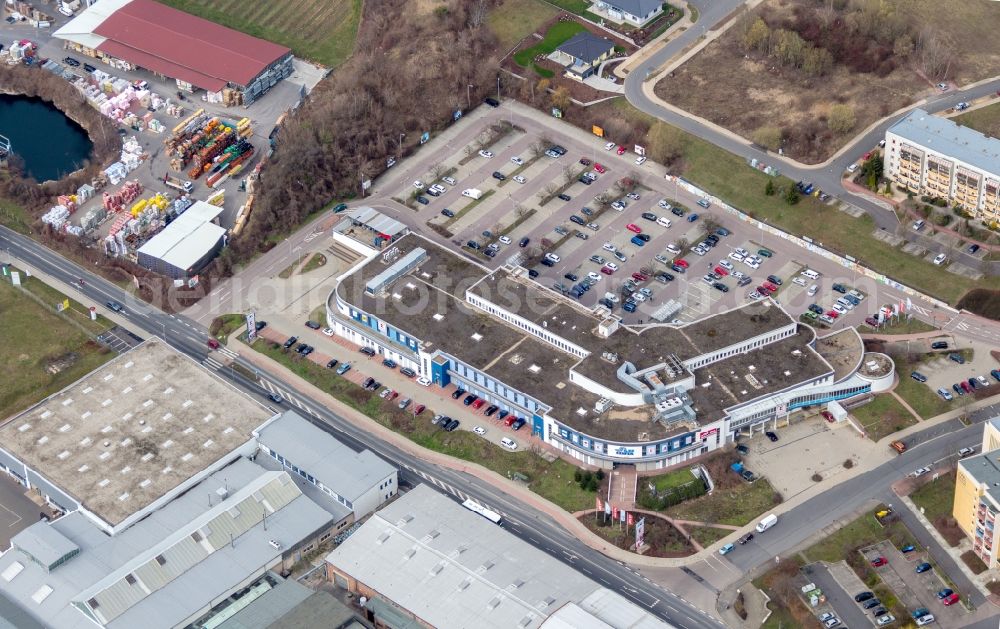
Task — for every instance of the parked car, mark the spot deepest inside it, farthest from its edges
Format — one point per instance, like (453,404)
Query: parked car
(923,567)
(951,599)
(725,550)
(864,596)
(770,435)
(879,561)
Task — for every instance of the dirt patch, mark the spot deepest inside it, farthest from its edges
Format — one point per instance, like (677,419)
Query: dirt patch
(975,563)
(662,537)
(61,363)
(983,302)
(948,528)
(818,74)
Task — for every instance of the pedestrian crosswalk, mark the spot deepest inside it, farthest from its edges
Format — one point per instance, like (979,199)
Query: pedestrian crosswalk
(211,363)
(445,487)
(270,387)
(225,351)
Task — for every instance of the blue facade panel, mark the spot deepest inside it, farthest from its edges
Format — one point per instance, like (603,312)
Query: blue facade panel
(439,374)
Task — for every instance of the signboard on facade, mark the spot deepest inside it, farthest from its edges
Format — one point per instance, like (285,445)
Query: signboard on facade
(705,434)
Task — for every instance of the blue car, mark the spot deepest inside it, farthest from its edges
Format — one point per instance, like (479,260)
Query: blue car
(639,242)
(924,567)
(908,548)
(692,218)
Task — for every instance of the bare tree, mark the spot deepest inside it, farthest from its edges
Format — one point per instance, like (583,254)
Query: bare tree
(520,210)
(537,149)
(438,171)
(477,13)
(568,175)
(548,191)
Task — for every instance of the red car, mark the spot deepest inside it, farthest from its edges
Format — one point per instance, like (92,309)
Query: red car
(478,404)
(419,408)
(764,290)
(721,271)
(600,169)
(866,156)
(393,395)
(632,227)
(965,386)
(771,287)
(510,420)
(681,263)
(951,599)
(872,321)
(828,416)
(621,150)
(640,277)
(833,314)
(879,561)
(606,270)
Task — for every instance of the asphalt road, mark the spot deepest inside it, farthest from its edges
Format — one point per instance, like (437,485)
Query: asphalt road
(529,524)
(825,177)
(844,607)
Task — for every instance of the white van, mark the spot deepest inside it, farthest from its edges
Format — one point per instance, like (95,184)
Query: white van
(767,522)
(65,11)
(472,193)
(813,275)
(508,443)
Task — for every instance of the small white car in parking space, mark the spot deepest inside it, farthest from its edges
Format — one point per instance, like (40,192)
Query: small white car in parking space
(517,160)
(739,274)
(639,161)
(638,298)
(419,185)
(479,430)
(612,266)
(699,250)
(553,257)
(881,621)
(735,255)
(594,276)
(926,619)
(754,296)
(726,265)
(621,256)
(661,258)
(673,248)
(611,297)
(799,281)
(741,252)
(831,622)
(827,319)
(438,188)
(608,247)
(663,221)
(485,153)
(939,259)
(328,332)
(609,146)
(593,226)
(520,179)
(920,471)
(424,381)
(508,443)
(663,203)
(504,240)
(839,309)
(618,205)
(449,180)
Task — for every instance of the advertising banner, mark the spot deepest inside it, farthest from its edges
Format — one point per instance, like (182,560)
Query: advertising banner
(598,131)
(640,532)
(251,326)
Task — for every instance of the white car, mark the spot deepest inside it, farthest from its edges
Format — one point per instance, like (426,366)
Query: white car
(741,252)
(486,154)
(663,221)
(609,146)
(664,204)
(608,246)
(618,205)
(661,258)
(726,265)
(449,180)
(594,276)
(508,443)
(673,248)
(739,274)
(921,471)
(611,297)
(852,168)
(798,280)
(639,161)
(612,266)
(424,381)
(939,259)
(553,257)
(517,160)
(504,240)
(881,621)
(735,255)
(520,179)
(753,264)
(966,452)
(327,331)
(638,298)
(419,185)
(839,309)
(699,250)
(479,430)
(754,296)
(438,188)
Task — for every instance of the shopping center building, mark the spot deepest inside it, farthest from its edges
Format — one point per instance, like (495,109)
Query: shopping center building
(586,383)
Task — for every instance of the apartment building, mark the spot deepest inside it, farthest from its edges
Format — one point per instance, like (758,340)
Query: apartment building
(934,156)
(977,495)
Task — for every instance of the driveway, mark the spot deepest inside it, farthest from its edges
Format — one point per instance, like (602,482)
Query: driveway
(840,600)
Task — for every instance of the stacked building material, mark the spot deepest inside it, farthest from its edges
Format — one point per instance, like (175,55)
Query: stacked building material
(116,201)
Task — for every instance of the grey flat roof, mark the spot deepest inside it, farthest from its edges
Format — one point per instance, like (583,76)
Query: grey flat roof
(586,46)
(375,220)
(948,138)
(44,543)
(133,430)
(290,604)
(453,568)
(188,237)
(194,574)
(351,474)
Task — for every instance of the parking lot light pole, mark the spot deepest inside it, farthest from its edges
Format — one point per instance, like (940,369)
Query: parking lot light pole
(400,145)
(468,93)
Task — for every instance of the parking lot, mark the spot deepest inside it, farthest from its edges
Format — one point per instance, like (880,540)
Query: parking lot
(589,247)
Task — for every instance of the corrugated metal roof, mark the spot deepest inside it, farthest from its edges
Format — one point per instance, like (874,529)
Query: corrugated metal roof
(452,568)
(81,28)
(947,138)
(375,220)
(168,39)
(188,238)
(348,473)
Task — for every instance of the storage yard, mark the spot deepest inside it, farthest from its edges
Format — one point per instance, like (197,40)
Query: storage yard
(172,144)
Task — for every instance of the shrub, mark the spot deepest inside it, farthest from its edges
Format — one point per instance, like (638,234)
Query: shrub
(817,477)
(848,464)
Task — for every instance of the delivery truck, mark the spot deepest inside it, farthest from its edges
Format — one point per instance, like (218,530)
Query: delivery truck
(768,521)
(178,184)
(472,193)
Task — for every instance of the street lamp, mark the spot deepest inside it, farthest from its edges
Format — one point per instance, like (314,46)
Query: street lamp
(468,92)
(400,145)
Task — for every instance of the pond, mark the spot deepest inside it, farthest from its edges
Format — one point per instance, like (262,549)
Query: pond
(50,144)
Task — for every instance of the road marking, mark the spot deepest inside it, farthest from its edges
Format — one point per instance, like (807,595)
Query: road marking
(17,517)
(211,364)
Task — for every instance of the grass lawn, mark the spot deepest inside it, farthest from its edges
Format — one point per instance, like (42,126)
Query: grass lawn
(317,260)
(707,535)
(921,397)
(936,497)
(573,6)
(15,217)
(985,120)
(864,531)
(35,338)
(553,481)
(322,31)
(670,479)
(556,35)
(514,20)
(883,416)
(913,326)
(77,313)
(738,506)
(730,178)
(224,325)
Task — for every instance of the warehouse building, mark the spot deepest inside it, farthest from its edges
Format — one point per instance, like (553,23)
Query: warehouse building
(427,560)
(196,53)
(171,516)
(936,157)
(185,246)
(588,385)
